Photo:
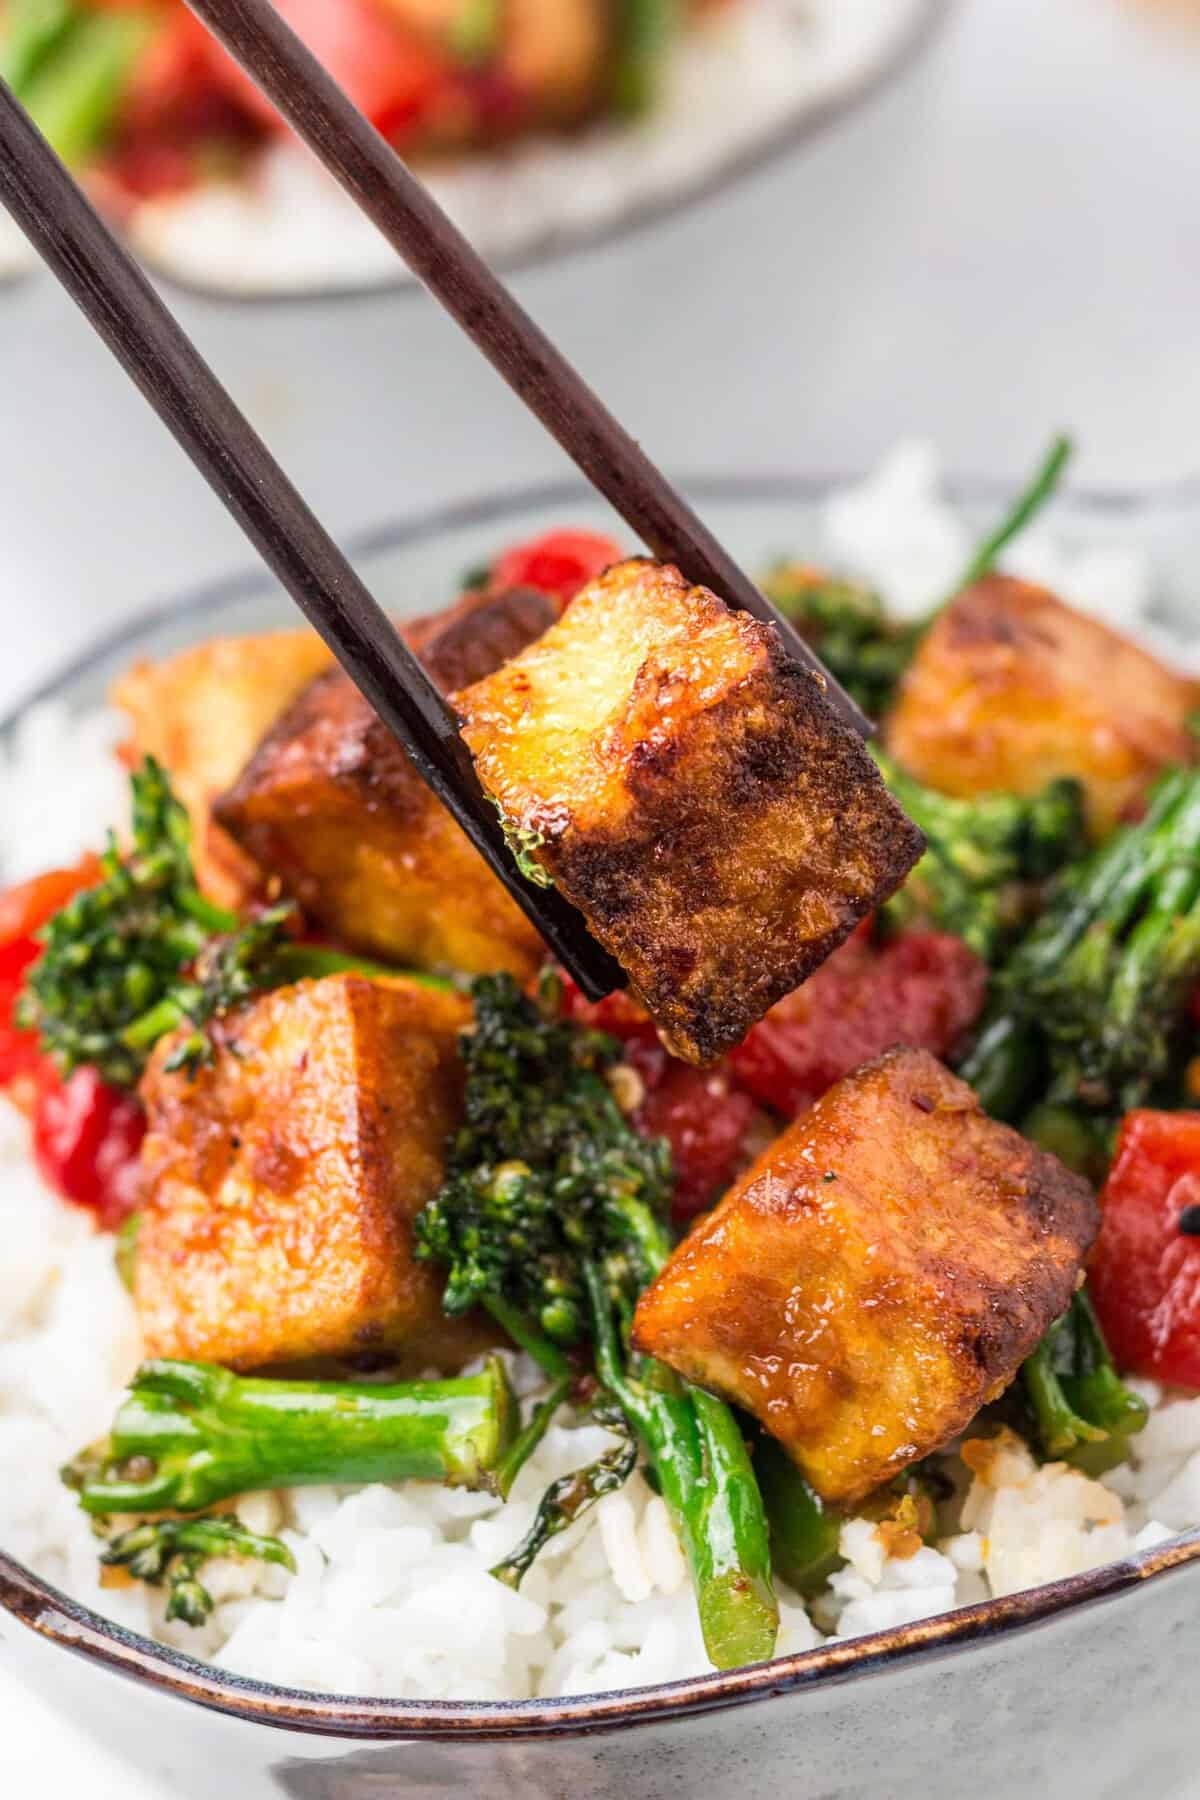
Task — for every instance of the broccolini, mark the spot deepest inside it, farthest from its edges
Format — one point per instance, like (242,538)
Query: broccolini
(986,856)
(144,952)
(1088,1010)
(191,1434)
(552,1217)
(172,1551)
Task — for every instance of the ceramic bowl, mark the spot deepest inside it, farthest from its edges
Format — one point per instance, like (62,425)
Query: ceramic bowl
(1083,1686)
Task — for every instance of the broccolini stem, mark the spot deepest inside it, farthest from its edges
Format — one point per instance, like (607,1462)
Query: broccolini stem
(804,1531)
(190,1434)
(33,31)
(565,1501)
(703,1470)
(645,32)
(74,95)
(730,1545)
(288,963)
(549,1358)
(1082,1410)
(1029,502)
(530,1436)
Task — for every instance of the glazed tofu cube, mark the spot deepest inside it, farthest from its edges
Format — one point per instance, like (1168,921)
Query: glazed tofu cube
(281,1180)
(202,713)
(685,784)
(1011,688)
(331,806)
(881,1271)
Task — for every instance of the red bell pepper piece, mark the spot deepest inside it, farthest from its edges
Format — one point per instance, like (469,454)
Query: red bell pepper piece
(923,989)
(557,563)
(23,911)
(1145,1275)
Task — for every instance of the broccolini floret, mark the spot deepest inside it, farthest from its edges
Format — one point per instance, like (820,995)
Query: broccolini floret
(143,952)
(850,629)
(552,1217)
(171,1552)
(986,856)
(1087,1012)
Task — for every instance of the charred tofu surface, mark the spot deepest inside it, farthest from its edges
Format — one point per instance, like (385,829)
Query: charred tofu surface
(202,714)
(684,783)
(331,806)
(1011,688)
(877,1276)
(281,1179)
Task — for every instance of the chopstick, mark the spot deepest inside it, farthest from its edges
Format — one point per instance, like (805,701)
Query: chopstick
(105,282)
(408,216)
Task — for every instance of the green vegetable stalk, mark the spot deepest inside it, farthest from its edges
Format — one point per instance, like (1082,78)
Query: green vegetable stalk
(804,1531)
(191,1434)
(144,952)
(1028,504)
(568,1498)
(551,1217)
(30,33)
(1083,1413)
(644,34)
(74,94)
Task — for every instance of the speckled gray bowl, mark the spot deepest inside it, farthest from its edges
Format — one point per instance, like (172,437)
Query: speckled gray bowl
(1082,1687)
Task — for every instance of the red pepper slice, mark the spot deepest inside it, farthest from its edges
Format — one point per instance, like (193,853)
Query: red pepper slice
(705,1119)
(922,989)
(23,911)
(557,563)
(1144,1277)
(86,1139)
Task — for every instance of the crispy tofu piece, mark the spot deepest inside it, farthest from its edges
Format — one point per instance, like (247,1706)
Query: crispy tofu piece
(281,1179)
(202,713)
(880,1272)
(331,806)
(1012,688)
(688,789)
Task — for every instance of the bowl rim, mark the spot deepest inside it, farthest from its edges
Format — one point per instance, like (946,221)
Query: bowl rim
(55,1617)
(550,246)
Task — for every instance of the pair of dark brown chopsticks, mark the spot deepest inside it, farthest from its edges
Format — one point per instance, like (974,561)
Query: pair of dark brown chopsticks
(115,296)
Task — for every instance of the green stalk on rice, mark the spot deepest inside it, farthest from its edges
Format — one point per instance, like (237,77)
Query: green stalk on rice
(192,1434)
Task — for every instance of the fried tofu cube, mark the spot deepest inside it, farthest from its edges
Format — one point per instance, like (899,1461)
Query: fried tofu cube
(687,787)
(202,713)
(880,1272)
(332,807)
(1011,688)
(281,1180)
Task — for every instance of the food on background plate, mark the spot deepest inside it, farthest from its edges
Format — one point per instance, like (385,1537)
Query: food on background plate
(406,1236)
(532,119)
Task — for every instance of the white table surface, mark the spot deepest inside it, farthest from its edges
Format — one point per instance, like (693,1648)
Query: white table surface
(1002,243)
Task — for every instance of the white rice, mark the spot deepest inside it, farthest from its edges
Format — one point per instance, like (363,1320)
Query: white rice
(734,86)
(386,1576)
